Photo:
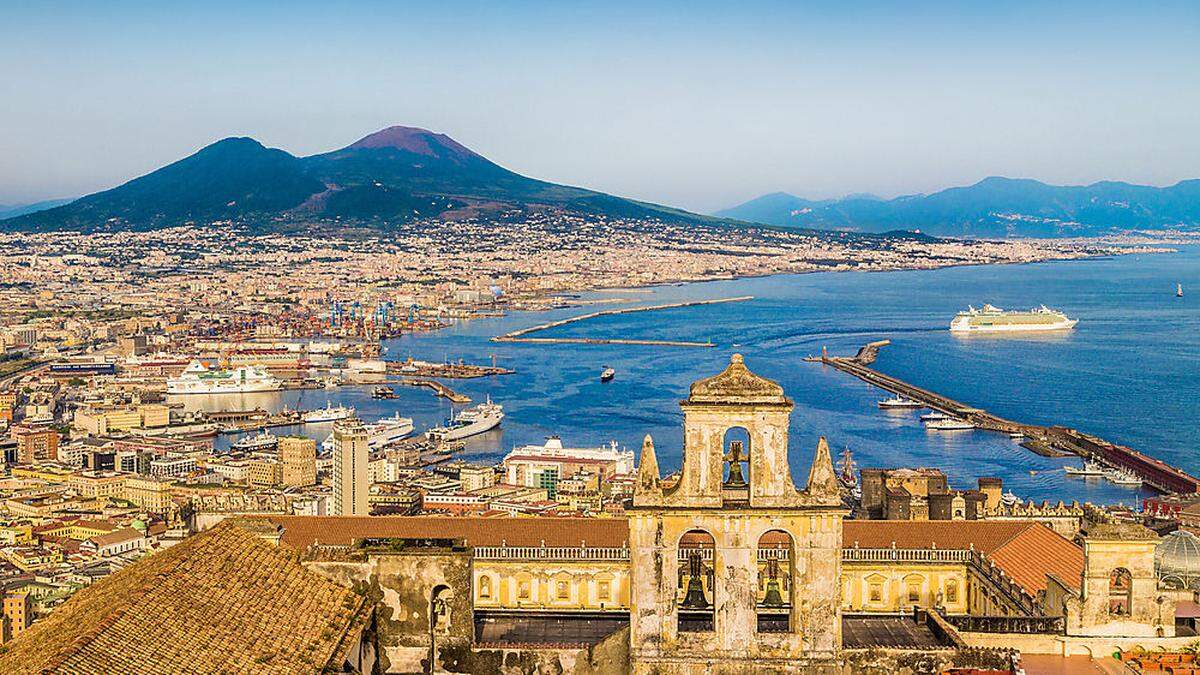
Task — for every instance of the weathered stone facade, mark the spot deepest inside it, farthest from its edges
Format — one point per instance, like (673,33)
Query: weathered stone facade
(735,573)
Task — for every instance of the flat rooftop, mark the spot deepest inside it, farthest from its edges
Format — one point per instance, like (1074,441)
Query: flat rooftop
(895,632)
(546,630)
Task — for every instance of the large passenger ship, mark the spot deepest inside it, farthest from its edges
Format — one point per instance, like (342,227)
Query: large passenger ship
(199,379)
(995,320)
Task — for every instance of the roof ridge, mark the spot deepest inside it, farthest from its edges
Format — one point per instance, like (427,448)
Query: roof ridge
(1027,525)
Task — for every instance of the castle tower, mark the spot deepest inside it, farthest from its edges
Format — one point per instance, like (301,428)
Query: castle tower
(732,562)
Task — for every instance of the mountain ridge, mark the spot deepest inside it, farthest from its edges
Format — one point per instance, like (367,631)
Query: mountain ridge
(995,206)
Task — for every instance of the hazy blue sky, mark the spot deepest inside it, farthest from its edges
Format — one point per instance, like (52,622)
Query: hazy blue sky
(695,104)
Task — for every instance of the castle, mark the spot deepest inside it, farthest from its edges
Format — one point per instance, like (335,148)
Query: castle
(727,567)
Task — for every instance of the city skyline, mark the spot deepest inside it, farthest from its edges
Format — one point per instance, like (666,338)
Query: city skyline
(701,110)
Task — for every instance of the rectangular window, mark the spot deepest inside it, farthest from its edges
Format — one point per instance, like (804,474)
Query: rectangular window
(876,593)
(914,593)
(564,591)
(523,590)
(604,591)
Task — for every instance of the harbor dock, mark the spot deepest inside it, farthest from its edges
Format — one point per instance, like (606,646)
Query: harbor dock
(522,335)
(1047,441)
(437,387)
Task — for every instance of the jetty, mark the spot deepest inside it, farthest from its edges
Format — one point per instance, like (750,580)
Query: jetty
(437,387)
(450,370)
(522,335)
(1047,441)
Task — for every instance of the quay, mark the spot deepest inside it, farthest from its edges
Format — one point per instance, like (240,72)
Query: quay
(522,335)
(1047,441)
(456,371)
(437,387)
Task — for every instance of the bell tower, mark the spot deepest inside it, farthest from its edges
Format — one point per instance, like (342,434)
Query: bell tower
(732,561)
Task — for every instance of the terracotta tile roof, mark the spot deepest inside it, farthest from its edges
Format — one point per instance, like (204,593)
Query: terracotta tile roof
(1039,551)
(222,601)
(986,536)
(303,531)
(1027,551)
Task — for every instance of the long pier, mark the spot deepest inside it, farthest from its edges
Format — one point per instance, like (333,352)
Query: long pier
(438,388)
(1043,440)
(522,334)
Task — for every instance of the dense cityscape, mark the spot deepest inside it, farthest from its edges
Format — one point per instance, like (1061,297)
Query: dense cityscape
(605,338)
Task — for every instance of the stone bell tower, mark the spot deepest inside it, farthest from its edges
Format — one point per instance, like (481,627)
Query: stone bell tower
(733,568)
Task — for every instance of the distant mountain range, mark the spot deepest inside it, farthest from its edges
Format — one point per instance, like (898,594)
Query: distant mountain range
(14,210)
(389,177)
(993,207)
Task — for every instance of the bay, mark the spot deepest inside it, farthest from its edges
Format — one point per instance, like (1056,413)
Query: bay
(1129,372)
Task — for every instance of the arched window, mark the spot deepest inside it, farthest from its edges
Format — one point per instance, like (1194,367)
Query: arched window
(774,597)
(1120,592)
(736,446)
(485,587)
(694,593)
(439,608)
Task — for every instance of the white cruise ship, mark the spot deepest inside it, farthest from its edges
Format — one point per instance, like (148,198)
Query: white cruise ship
(199,379)
(382,433)
(470,422)
(329,413)
(995,320)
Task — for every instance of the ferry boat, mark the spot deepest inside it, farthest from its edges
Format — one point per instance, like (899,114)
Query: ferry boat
(328,414)
(263,440)
(992,319)
(1089,468)
(197,378)
(934,415)
(470,422)
(382,433)
(949,424)
(900,402)
(607,374)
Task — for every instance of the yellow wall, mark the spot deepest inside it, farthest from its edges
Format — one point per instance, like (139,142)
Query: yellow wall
(584,584)
(891,583)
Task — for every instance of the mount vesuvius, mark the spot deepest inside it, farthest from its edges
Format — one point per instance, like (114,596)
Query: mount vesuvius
(391,176)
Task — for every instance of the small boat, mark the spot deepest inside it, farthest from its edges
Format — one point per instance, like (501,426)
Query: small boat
(607,374)
(949,424)
(264,440)
(1179,290)
(1089,468)
(1122,477)
(383,392)
(899,402)
(328,414)
(1016,436)
(933,415)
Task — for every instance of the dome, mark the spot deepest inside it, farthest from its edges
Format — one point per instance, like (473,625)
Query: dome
(1177,560)
(139,525)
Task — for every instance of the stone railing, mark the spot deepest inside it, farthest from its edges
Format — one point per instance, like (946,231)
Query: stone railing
(1027,625)
(550,553)
(921,555)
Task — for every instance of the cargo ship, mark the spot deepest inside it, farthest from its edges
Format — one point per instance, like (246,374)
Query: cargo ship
(991,319)
(197,378)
